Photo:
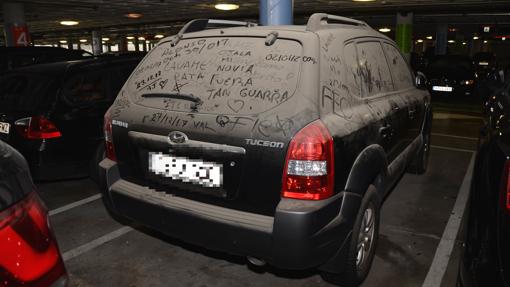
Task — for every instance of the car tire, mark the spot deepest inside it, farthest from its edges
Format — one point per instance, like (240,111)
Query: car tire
(420,163)
(358,261)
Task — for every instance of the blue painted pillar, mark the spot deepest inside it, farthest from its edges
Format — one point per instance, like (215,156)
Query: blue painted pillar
(276,12)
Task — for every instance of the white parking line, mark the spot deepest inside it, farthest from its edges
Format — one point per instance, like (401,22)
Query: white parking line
(75,204)
(452,148)
(444,249)
(454,136)
(68,255)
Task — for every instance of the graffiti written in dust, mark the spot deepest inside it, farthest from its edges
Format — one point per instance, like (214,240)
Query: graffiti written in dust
(328,42)
(265,127)
(176,121)
(341,103)
(148,82)
(121,103)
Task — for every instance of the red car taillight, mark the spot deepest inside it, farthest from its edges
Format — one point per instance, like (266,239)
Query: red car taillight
(108,136)
(29,254)
(37,127)
(309,166)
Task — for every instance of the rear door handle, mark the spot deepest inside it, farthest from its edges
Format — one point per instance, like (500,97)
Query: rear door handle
(385,131)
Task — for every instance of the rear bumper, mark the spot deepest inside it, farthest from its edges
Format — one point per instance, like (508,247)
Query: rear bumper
(301,235)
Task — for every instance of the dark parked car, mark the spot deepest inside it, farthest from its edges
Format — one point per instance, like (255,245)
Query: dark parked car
(53,113)
(29,255)
(17,57)
(236,139)
(451,76)
(485,259)
(485,63)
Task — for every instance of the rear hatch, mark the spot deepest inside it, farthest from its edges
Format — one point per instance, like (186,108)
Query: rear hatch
(210,118)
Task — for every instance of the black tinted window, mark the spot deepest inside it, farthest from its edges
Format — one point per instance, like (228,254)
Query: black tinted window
(24,92)
(84,87)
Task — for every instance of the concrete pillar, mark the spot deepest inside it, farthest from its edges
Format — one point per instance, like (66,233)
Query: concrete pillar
(123,45)
(97,43)
(15,28)
(276,12)
(441,39)
(404,33)
(137,44)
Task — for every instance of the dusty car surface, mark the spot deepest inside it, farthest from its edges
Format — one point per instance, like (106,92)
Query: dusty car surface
(277,143)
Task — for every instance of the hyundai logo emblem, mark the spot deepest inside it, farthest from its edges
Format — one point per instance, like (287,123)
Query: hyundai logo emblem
(177,137)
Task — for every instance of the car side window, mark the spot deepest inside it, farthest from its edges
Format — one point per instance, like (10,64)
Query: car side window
(352,77)
(84,87)
(373,69)
(401,74)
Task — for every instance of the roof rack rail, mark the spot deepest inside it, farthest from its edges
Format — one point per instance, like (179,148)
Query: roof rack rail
(205,24)
(317,20)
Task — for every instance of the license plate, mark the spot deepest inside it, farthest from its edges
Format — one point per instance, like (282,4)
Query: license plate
(483,63)
(4,127)
(195,171)
(442,89)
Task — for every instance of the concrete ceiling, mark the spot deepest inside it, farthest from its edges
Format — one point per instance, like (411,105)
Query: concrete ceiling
(166,16)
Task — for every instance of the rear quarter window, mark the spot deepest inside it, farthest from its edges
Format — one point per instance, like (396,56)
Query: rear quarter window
(401,74)
(373,69)
(234,75)
(84,87)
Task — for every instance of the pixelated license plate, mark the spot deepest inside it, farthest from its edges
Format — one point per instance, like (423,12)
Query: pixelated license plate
(442,89)
(4,127)
(195,171)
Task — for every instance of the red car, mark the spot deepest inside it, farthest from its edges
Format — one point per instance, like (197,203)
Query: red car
(29,255)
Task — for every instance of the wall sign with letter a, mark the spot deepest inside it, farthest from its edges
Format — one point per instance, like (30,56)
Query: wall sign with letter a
(20,36)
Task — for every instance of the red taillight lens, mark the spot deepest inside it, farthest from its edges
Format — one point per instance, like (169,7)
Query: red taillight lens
(37,127)
(108,137)
(29,254)
(309,166)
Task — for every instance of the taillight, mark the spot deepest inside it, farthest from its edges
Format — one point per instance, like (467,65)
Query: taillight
(309,165)
(29,254)
(37,127)
(108,137)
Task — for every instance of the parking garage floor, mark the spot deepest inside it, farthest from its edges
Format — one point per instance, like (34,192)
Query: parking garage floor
(100,251)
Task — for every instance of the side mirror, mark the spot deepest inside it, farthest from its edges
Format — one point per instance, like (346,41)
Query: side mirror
(420,81)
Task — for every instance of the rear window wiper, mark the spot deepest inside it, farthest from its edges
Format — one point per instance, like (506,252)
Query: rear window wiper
(186,97)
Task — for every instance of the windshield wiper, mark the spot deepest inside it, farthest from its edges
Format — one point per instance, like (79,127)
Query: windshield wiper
(186,97)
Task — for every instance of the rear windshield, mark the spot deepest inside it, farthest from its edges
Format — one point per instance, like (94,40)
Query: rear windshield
(23,92)
(236,75)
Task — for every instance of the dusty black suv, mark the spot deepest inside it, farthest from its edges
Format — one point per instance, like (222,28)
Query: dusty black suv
(275,143)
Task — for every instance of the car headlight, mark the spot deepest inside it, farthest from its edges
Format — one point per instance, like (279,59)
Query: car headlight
(467,82)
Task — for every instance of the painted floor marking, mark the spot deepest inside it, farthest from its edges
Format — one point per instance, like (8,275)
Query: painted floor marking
(75,204)
(452,148)
(68,255)
(454,136)
(444,249)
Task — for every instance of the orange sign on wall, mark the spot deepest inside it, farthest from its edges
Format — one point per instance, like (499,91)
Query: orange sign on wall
(20,36)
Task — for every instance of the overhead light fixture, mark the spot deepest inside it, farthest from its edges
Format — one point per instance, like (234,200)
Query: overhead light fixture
(429,37)
(62,41)
(452,29)
(419,41)
(134,15)
(141,38)
(464,43)
(476,38)
(226,6)
(147,42)
(485,41)
(385,30)
(486,29)
(69,23)
(363,0)
(159,36)
(130,37)
(83,40)
(105,39)
(451,41)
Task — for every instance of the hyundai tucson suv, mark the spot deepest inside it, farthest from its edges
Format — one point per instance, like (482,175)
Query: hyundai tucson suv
(276,143)
(29,254)
(53,113)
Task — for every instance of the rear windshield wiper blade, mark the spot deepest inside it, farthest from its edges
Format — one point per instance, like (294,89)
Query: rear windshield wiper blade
(187,97)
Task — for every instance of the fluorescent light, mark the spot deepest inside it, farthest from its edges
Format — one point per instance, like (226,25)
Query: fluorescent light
(130,37)
(226,7)
(83,40)
(385,30)
(451,41)
(476,38)
(134,15)
(159,36)
(464,43)
(69,23)
(147,42)
(63,41)
(105,39)
(485,41)
(419,41)
(429,37)
(141,38)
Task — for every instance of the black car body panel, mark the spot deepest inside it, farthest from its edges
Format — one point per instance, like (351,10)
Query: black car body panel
(73,96)
(485,256)
(451,75)
(254,96)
